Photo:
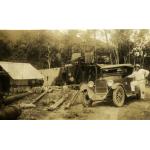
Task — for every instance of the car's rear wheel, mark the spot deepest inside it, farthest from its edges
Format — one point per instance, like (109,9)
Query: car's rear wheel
(119,96)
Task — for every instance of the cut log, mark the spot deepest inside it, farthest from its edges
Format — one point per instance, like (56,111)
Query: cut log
(13,98)
(58,103)
(41,95)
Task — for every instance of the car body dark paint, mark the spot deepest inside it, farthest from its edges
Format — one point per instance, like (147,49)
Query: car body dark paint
(115,73)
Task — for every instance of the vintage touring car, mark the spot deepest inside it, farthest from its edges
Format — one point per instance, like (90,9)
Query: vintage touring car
(108,82)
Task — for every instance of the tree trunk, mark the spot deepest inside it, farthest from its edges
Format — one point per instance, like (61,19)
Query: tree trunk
(106,37)
(111,58)
(117,56)
(48,58)
(49,63)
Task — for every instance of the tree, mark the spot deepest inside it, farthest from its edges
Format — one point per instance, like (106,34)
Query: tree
(123,44)
(140,39)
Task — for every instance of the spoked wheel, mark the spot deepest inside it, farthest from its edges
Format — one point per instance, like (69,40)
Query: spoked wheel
(119,96)
(87,102)
(138,95)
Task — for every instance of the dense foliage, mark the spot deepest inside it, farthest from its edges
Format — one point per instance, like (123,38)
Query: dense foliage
(53,48)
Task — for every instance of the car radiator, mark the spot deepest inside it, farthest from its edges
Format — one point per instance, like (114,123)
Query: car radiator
(101,86)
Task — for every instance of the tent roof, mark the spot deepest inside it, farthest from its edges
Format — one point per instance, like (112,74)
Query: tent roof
(21,71)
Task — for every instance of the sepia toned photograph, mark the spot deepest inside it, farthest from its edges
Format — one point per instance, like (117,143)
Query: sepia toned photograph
(74,74)
(87,74)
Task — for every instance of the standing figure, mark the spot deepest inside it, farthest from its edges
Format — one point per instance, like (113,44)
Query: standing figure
(139,79)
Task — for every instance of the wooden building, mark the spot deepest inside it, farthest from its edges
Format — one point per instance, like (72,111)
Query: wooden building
(18,77)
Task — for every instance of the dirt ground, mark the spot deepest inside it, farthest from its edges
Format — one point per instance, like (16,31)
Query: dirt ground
(132,110)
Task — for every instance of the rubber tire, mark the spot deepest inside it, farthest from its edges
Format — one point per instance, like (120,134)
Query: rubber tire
(87,102)
(117,102)
(138,95)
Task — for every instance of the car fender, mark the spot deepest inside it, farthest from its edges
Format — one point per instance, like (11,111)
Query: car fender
(115,85)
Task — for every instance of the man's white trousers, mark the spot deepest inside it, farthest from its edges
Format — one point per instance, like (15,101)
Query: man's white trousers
(141,85)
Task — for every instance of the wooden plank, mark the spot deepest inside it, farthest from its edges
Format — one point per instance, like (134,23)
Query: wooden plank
(25,106)
(41,95)
(58,103)
(73,99)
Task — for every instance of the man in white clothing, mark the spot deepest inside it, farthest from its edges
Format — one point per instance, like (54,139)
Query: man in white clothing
(139,79)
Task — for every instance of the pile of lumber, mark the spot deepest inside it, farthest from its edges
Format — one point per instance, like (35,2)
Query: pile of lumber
(63,99)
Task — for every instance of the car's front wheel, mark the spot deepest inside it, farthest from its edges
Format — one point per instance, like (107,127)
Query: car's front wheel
(119,96)
(138,95)
(87,102)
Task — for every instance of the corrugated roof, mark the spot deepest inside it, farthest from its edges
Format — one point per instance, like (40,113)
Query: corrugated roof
(21,71)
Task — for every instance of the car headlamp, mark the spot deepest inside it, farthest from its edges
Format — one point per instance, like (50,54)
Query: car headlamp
(110,82)
(90,84)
